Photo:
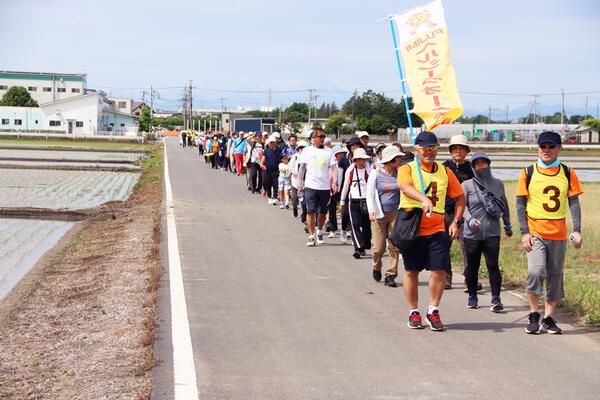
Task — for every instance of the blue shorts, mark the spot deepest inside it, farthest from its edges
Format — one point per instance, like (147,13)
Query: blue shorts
(317,201)
(428,252)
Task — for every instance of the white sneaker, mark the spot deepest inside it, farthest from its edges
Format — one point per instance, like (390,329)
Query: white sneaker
(282,206)
(343,237)
(311,241)
(320,237)
(348,235)
(331,235)
(274,202)
(269,201)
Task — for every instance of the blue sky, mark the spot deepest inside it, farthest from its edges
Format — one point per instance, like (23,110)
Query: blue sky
(516,47)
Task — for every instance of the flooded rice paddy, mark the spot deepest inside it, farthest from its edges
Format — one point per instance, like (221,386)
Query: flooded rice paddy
(72,190)
(22,243)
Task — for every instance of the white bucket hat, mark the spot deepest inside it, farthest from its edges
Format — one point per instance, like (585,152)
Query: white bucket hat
(389,153)
(459,140)
(360,153)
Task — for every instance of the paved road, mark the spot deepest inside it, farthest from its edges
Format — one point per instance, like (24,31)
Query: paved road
(272,319)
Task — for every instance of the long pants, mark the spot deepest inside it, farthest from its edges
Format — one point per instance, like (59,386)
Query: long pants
(213,160)
(491,250)
(461,242)
(184,141)
(294,197)
(200,149)
(270,177)
(333,223)
(254,173)
(239,163)
(361,226)
(382,229)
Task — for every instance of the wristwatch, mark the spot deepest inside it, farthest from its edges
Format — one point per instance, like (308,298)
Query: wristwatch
(459,222)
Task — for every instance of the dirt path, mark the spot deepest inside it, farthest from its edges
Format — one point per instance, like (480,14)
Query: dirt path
(81,325)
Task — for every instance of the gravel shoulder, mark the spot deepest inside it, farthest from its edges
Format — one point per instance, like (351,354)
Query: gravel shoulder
(81,324)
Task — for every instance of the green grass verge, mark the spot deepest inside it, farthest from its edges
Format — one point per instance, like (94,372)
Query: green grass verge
(582,272)
(152,168)
(92,144)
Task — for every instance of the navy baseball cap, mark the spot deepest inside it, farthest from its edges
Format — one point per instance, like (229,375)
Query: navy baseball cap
(426,138)
(549,137)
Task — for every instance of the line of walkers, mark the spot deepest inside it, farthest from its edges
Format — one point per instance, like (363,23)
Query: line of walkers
(378,193)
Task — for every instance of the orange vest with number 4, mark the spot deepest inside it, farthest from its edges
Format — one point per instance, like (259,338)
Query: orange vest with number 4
(436,187)
(547,193)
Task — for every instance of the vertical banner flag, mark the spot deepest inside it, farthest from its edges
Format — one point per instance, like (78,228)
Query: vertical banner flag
(429,73)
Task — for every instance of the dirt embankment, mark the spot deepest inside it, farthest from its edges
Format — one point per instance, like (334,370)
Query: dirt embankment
(81,324)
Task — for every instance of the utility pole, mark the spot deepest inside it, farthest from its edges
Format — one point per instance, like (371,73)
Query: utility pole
(310,98)
(270,93)
(353,101)
(489,114)
(222,104)
(562,107)
(191,105)
(586,107)
(535,97)
(507,120)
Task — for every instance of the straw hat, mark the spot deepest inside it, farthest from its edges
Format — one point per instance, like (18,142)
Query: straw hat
(360,153)
(389,153)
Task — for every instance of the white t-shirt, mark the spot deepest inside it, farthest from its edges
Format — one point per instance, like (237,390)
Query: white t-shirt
(317,163)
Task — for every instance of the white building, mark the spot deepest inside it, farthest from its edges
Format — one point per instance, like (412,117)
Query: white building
(89,114)
(45,87)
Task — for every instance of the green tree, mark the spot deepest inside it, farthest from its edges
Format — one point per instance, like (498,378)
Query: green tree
(592,123)
(145,119)
(333,125)
(297,112)
(18,96)
(376,113)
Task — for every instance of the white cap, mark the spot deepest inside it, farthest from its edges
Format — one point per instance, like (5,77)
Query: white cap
(265,133)
(362,133)
(360,153)
(277,135)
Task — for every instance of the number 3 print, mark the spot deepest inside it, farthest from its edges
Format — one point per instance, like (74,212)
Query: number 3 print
(554,198)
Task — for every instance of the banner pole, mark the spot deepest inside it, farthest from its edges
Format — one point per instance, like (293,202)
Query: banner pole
(406,107)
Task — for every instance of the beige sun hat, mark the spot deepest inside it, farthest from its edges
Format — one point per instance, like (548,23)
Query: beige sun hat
(459,140)
(362,133)
(389,153)
(360,153)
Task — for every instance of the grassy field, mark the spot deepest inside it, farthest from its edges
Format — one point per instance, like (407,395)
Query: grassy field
(582,267)
(94,144)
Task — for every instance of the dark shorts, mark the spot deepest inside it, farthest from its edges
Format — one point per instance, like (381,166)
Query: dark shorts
(317,201)
(429,252)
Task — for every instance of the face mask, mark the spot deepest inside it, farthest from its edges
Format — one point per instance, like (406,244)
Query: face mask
(484,174)
(544,165)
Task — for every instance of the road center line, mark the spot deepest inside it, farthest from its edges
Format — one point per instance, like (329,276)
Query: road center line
(184,368)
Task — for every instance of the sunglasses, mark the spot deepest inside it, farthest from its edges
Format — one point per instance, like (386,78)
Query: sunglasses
(430,148)
(547,146)
(320,136)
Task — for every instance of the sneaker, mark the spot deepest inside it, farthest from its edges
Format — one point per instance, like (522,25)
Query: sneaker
(549,325)
(343,237)
(434,321)
(312,241)
(376,274)
(281,207)
(533,327)
(320,237)
(331,235)
(348,235)
(269,201)
(274,202)
(295,212)
(389,281)
(414,320)
(496,305)
(356,255)
(363,252)
(287,206)
(472,302)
